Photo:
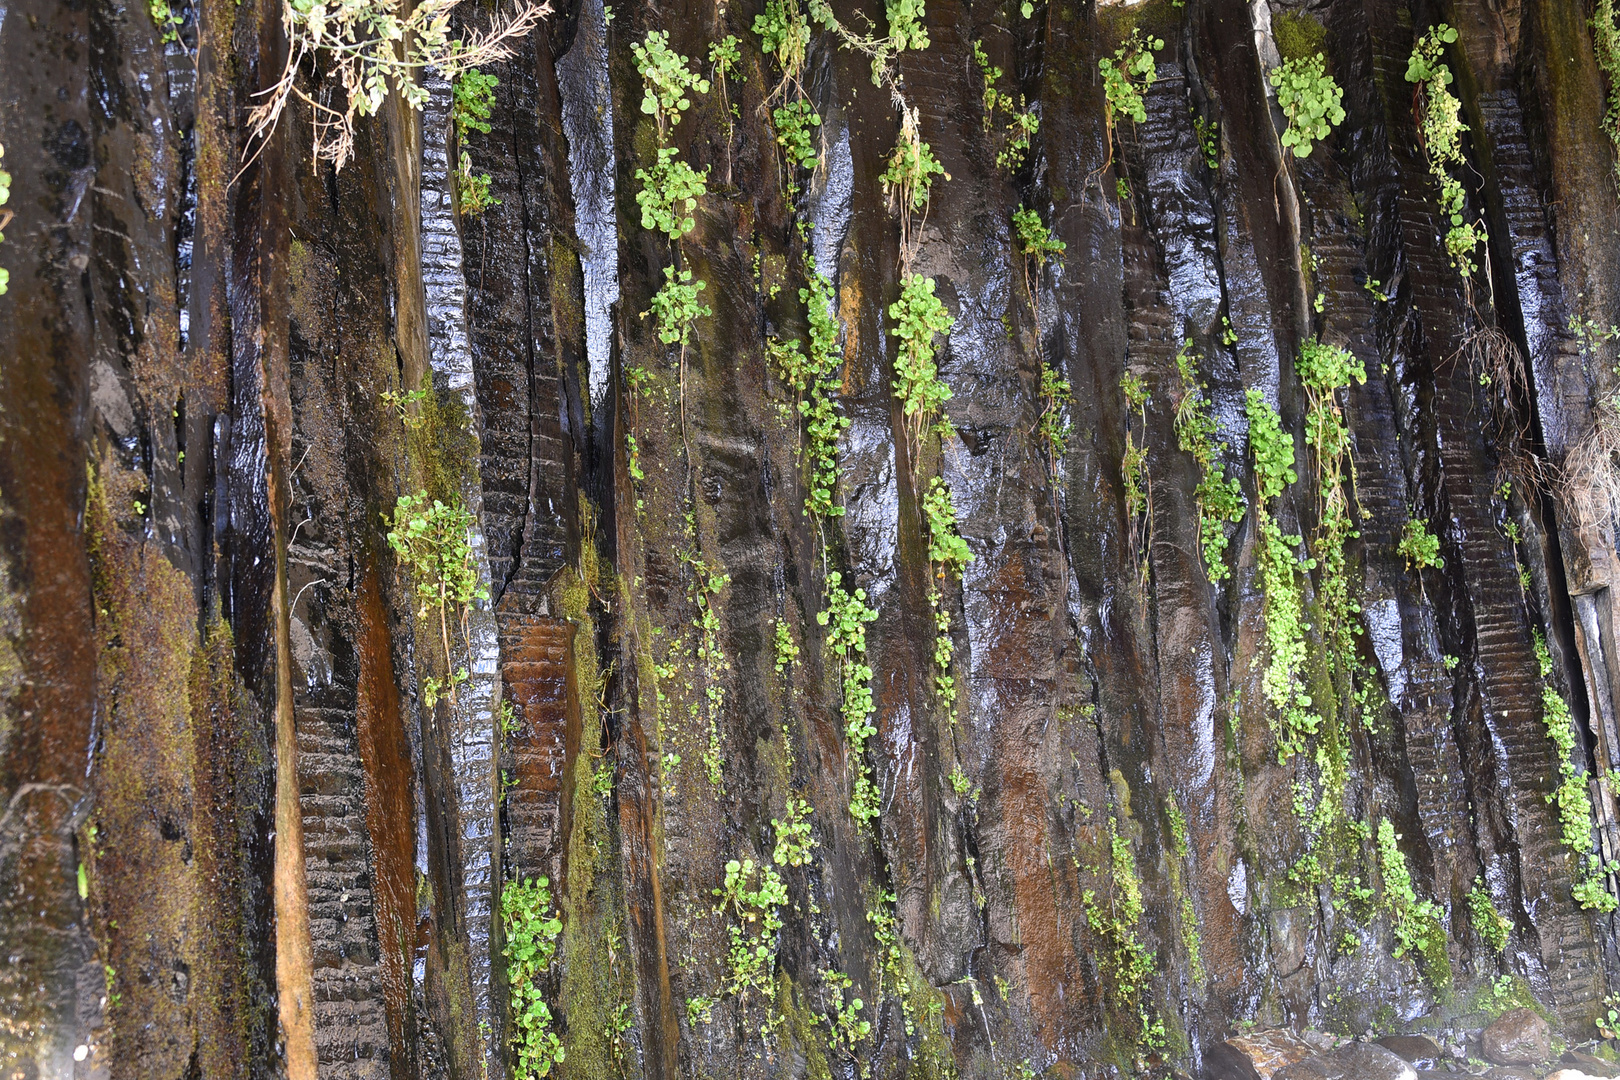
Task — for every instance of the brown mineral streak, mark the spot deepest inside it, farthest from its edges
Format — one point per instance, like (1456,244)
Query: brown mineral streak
(385,752)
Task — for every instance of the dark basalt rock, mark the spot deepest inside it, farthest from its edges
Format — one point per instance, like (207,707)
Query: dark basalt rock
(1420,1050)
(1518,1037)
(1355,1061)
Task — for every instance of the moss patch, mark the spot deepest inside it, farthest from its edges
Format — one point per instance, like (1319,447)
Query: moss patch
(1299,36)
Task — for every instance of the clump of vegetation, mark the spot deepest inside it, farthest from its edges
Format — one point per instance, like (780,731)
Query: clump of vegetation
(845,618)
(1035,241)
(1114,917)
(1220,497)
(793,840)
(1488,923)
(787,650)
(785,34)
(1022,122)
(472,97)
(675,306)
(666,81)
(669,194)
(1420,547)
(754,901)
(1416,922)
(949,555)
(1310,99)
(165,19)
(1127,75)
(1442,131)
(1133,466)
(707,584)
(1054,428)
(472,189)
(531,943)
(1281,572)
(431,541)
(725,57)
(1569,798)
(905,24)
(813,376)
(795,133)
(368,46)
(1209,141)
(918,316)
(909,177)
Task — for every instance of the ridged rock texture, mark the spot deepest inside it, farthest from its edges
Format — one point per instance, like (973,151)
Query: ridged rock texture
(1085,835)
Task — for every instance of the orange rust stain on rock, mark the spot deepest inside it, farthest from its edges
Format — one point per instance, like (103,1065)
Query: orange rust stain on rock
(537,669)
(386,756)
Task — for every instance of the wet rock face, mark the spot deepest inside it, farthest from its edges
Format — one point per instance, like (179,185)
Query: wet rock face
(1520,1037)
(1362,1061)
(1034,577)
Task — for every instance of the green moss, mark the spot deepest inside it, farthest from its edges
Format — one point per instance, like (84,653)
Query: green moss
(443,447)
(1298,35)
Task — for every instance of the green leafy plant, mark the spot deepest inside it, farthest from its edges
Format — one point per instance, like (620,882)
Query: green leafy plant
(666,80)
(795,132)
(164,18)
(918,316)
(1035,241)
(472,189)
(813,376)
(1569,798)
(1488,923)
(1280,572)
(785,34)
(1442,131)
(1310,99)
(367,47)
(949,555)
(669,194)
(1209,140)
(1220,497)
(724,57)
(1053,427)
(1133,466)
(905,24)
(1416,922)
(1420,547)
(753,897)
(431,541)
(793,839)
(848,1029)
(409,404)
(472,98)
(531,943)
(787,650)
(845,618)
(1113,912)
(1022,122)
(1126,77)
(911,170)
(675,306)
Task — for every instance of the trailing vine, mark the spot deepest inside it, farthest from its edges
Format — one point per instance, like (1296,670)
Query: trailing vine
(1281,572)
(1134,469)
(918,316)
(845,618)
(1569,798)
(1442,130)
(948,556)
(1220,497)
(814,381)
